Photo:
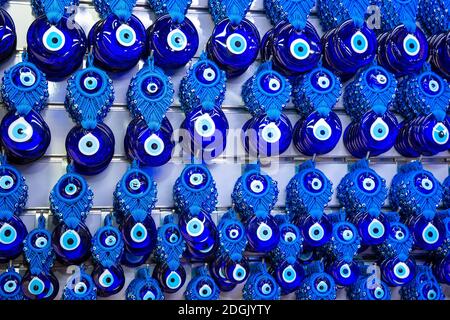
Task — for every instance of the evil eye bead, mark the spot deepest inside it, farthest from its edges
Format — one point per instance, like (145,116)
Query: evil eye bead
(377,79)
(266,287)
(40,240)
(195,227)
(91,82)
(57,50)
(8,181)
(315,232)
(239,273)
(263,234)
(359,42)
(207,73)
(71,246)
(344,273)
(376,229)
(398,272)
(117,46)
(257,183)
(173,281)
(108,281)
(170,280)
(431,85)
(39,287)
(411,45)
(176,39)
(401,270)
(71,187)
(12,235)
(25,138)
(234,232)
(139,236)
(289,276)
(368,182)
(24,77)
(204,289)
(153,87)
(136,183)
(440,134)
(271,83)
(373,231)
(7,234)
(70,240)
(424,183)
(8,37)
(379,130)
(346,233)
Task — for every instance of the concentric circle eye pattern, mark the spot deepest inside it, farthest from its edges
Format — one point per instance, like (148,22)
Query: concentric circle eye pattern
(264,232)
(70,188)
(89,145)
(289,274)
(80,288)
(234,231)
(322,130)
(424,183)
(256,183)
(411,45)
(321,81)
(176,39)
(316,232)
(270,83)
(368,182)
(106,279)
(70,240)
(196,177)
(236,43)
(430,234)
(20,130)
(440,133)
(7,181)
(322,286)
(195,227)
(288,235)
(108,238)
(136,183)
(173,280)
(172,235)
(431,85)
(54,39)
(379,130)
(401,270)
(205,126)
(265,287)
(36,286)
(206,73)
(8,234)
(313,182)
(205,290)
(40,241)
(153,87)
(154,145)
(138,233)
(300,49)
(377,79)
(271,133)
(359,42)
(376,229)
(10,286)
(345,233)
(125,35)
(24,77)
(91,82)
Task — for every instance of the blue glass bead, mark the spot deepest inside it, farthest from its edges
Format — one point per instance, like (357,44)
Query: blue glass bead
(40,287)
(132,261)
(12,235)
(373,231)
(8,36)
(316,134)
(169,280)
(293,51)
(264,137)
(207,132)
(397,272)
(58,50)
(349,48)
(25,139)
(71,246)
(427,235)
(441,270)
(344,273)
(440,53)
(10,285)
(108,281)
(234,48)
(216,268)
(90,150)
(435,135)
(173,44)
(236,272)
(139,236)
(289,276)
(263,234)
(117,46)
(149,148)
(315,232)
(402,52)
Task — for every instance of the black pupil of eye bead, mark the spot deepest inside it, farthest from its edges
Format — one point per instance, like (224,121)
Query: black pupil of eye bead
(7,233)
(205,127)
(55,40)
(20,131)
(154,146)
(139,233)
(238,44)
(368,184)
(441,134)
(345,271)
(108,280)
(265,232)
(289,273)
(316,232)
(126,36)
(289,239)
(7,183)
(359,42)
(376,230)
(322,132)
(26,79)
(300,49)
(205,291)
(209,75)
(90,82)
(89,144)
(430,234)
(270,134)
(70,241)
(412,45)
(35,287)
(195,226)
(172,280)
(380,130)
(10,284)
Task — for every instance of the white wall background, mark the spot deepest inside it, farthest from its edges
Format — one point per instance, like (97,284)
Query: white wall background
(43,174)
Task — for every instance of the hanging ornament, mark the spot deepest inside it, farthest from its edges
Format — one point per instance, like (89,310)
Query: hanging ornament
(134,199)
(195,198)
(39,282)
(403,47)
(13,198)
(260,285)
(286,269)
(170,246)
(307,195)
(118,40)
(90,144)
(8,34)
(362,193)
(202,92)
(418,193)
(266,94)
(348,43)
(342,249)
(397,267)
(319,129)
(107,249)
(173,38)
(70,203)
(10,285)
(423,287)
(369,287)
(254,196)
(293,44)
(423,101)
(201,286)
(149,135)
(318,285)
(367,101)
(230,267)
(25,135)
(235,41)
(56,43)
(80,286)
(144,287)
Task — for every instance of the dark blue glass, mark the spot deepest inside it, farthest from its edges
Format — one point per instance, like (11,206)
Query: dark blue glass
(293,52)
(132,261)
(10,284)
(58,50)
(8,38)
(316,134)
(71,246)
(427,235)
(173,44)
(216,268)
(264,137)
(402,52)
(149,148)
(344,273)
(40,287)
(373,231)
(139,236)
(169,280)
(289,276)
(117,46)
(108,281)
(440,53)
(236,272)
(263,234)
(349,48)
(206,132)
(441,270)
(315,232)
(12,235)
(234,48)
(397,272)
(90,150)
(25,139)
